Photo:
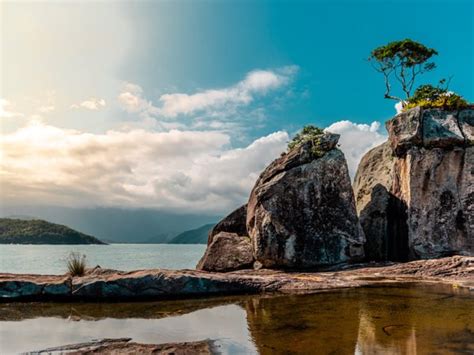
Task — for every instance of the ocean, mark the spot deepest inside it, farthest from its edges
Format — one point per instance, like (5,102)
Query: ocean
(51,259)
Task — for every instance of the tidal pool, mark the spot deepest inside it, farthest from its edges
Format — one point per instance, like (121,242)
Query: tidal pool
(415,319)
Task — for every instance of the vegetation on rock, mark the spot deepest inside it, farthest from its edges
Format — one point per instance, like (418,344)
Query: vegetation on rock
(76,264)
(36,231)
(309,133)
(429,96)
(405,60)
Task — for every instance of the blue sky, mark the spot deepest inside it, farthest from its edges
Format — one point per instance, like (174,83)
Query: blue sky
(100,93)
(216,42)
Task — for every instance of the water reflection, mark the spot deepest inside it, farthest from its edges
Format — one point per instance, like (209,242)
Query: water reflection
(395,320)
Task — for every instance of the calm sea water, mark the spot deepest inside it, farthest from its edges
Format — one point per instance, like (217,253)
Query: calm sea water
(51,259)
(390,320)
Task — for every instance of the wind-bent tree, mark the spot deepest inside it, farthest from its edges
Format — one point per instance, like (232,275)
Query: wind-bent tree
(404,60)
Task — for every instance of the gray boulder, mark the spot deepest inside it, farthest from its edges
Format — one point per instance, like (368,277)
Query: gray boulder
(301,212)
(227,252)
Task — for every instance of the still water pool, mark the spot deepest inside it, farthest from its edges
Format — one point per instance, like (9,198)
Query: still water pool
(51,259)
(418,319)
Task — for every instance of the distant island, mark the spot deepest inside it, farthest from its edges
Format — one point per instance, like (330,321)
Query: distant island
(193,236)
(37,231)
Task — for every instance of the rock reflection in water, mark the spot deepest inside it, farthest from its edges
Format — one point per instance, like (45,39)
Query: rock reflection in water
(390,320)
(395,320)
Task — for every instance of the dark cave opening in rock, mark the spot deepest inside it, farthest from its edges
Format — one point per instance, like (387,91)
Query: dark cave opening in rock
(397,230)
(384,221)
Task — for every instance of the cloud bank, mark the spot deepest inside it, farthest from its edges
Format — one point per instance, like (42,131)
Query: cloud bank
(171,105)
(187,171)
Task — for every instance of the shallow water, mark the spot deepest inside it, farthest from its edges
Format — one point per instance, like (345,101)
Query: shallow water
(392,320)
(51,259)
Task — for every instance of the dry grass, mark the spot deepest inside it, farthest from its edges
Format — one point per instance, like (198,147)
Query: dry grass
(76,264)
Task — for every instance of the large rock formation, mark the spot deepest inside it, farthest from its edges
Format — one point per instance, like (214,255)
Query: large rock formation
(228,246)
(301,212)
(415,193)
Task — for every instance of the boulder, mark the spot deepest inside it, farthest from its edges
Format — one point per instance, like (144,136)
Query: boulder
(235,222)
(430,128)
(441,129)
(227,252)
(415,193)
(228,246)
(405,131)
(301,212)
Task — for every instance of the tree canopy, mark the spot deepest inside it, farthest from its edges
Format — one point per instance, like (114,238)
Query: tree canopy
(403,60)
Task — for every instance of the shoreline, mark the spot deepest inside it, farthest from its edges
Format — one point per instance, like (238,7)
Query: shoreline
(102,285)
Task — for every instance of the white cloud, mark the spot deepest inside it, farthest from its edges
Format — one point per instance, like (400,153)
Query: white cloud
(92,104)
(131,100)
(175,170)
(356,140)
(6,109)
(257,82)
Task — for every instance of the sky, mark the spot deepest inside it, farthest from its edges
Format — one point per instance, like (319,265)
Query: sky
(179,105)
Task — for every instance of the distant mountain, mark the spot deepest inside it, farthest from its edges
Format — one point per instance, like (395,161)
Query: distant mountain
(159,238)
(117,225)
(37,231)
(193,236)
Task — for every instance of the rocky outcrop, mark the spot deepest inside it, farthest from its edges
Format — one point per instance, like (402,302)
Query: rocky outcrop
(126,346)
(415,193)
(228,246)
(106,285)
(301,212)
(226,252)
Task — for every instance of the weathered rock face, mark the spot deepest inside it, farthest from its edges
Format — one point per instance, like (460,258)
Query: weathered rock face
(235,222)
(301,212)
(415,193)
(227,251)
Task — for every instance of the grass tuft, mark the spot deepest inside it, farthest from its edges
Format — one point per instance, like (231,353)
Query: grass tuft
(76,264)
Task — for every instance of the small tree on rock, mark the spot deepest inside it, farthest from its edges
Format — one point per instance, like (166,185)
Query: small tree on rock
(404,60)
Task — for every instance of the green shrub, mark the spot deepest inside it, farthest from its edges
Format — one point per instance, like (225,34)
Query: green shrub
(429,96)
(308,133)
(76,264)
